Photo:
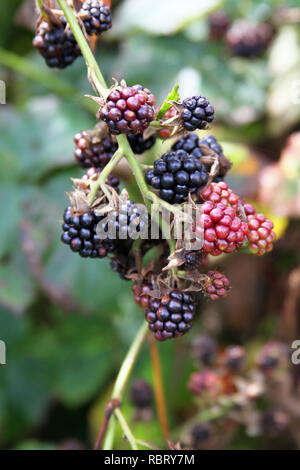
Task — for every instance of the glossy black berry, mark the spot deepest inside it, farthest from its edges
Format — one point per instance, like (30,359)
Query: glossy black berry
(197,112)
(91,150)
(171,316)
(79,232)
(247,39)
(96,17)
(56,43)
(176,174)
(139,145)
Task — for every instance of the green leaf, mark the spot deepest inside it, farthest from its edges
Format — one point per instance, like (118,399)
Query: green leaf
(172,96)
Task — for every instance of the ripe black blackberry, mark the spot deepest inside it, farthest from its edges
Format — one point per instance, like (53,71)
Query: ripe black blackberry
(93,149)
(192,145)
(246,39)
(129,221)
(141,394)
(96,17)
(128,110)
(175,175)
(56,43)
(139,145)
(171,316)
(197,112)
(80,233)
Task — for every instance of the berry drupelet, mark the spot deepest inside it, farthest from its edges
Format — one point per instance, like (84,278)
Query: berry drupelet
(139,145)
(260,231)
(171,316)
(93,150)
(79,232)
(175,175)
(128,110)
(56,43)
(217,285)
(96,17)
(196,113)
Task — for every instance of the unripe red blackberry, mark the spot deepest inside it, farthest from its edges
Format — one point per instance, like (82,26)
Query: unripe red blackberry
(94,148)
(219,22)
(260,231)
(96,17)
(141,394)
(176,174)
(196,113)
(233,358)
(220,193)
(139,145)
(217,286)
(128,110)
(247,39)
(171,316)
(221,229)
(204,349)
(56,43)
(80,233)
(206,382)
(141,293)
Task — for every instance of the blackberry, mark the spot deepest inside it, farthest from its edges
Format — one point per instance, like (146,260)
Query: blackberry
(260,231)
(217,286)
(220,193)
(220,228)
(128,110)
(272,356)
(247,39)
(171,316)
(192,145)
(96,17)
(79,232)
(139,145)
(93,150)
(141,394)
(128,222)
(56,43)
(176,174)
(219,23)
(193,260)
(123,261)
(197,112)
(141,293)
(204,349)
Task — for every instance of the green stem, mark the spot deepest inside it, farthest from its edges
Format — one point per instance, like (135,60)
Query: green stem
(95,74)
(123,376)
(130,437)
(104,174)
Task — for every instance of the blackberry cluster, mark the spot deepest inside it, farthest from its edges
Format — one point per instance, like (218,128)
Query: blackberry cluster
(128,110)
(96,17)
(194,260)
(219,23)
(197,112)
(248,40)
(56,43)
(176,174)
(260,231)
(92,150)
(217,286)
(79,232)
(221,229)
(204,349)
(139,145)
(171,316)
(141,394)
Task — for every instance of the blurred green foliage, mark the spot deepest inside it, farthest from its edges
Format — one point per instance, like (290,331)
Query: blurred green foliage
(69,355)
